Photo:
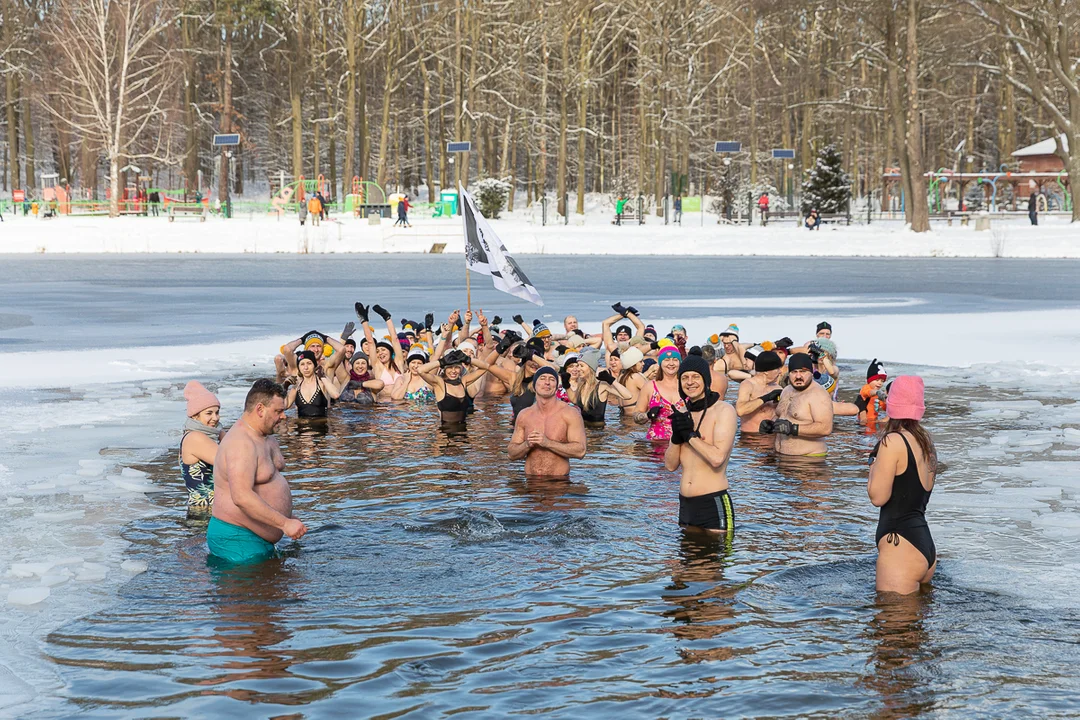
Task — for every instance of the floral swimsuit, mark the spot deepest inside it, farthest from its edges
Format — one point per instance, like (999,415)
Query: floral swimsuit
(660,429)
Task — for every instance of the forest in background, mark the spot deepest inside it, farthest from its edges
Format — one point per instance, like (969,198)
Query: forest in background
(558,97)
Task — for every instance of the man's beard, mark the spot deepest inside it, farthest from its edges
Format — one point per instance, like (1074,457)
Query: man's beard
(800,389)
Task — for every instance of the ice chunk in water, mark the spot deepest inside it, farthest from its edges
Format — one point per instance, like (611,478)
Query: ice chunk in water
(31,569)
(92,572)
(132,473)
(131,484)
(54,579)
(15,500)
(28,596)
(60,516)
(133,566)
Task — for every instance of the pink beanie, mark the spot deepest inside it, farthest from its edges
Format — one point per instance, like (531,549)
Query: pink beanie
(199,398)
(905,400)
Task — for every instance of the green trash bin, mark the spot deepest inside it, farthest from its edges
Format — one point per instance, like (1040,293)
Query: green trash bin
(448,199)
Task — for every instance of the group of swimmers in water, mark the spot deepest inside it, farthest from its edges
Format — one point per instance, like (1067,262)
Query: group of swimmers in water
(557,385)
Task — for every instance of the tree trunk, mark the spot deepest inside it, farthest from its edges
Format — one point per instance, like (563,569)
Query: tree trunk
(920,210)
(560,179)
(114,186)
(896,108)
(352,34)
(12,129)
(752,29)
(429,170)
(28,137)
(226,114)
(191,118)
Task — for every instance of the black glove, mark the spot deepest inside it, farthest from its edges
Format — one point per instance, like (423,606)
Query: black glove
(361,312)
(618,307)
(504,344)
(350,328)
(523,352)
(653,412)
(429,320)
(786,427)
(496,320)
(682,427)
(605,376)
(767,427)
(454,357)
(519,320)
(784,342)
(654,345)
(381,312)
(771,396)
(632,310)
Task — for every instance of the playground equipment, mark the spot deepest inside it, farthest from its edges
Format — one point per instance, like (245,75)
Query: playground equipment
(366,198)
(297,191)
(447,205)
(56,196)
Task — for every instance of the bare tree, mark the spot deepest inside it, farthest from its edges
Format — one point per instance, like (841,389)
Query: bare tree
(116,73)
(1043,36)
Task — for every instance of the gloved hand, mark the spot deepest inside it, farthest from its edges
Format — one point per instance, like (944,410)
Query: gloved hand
(454,357)
(618,307)
(632,311)
(882,394)
(785,427)
(654,345)
(361,312)
(682,427)
(496,320)
(429,320)
(767,427)
(605,376)
(381,312)
(504,343)
(350,328)
(784,342)
(519,320)
(653,412)
(771,396)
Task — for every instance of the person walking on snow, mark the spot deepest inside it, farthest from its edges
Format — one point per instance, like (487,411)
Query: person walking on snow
(403,212)
(763,208)
(678,209)
(1033,208)
(315,210)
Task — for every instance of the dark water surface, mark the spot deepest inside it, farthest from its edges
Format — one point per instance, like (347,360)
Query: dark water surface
(439,580)
(95,301)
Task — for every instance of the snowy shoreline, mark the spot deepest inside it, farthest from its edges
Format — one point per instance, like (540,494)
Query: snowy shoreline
(523,234)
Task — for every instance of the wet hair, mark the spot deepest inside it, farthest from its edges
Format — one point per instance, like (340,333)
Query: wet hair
(926,445)
(263,391)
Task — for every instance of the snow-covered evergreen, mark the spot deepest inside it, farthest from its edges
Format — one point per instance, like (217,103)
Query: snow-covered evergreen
(827,187)
(492,194)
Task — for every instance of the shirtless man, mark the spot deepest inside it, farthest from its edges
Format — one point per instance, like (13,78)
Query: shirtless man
(758,395)
(732,361)
(804,413)
(252,501)
(548,432)
(702,434)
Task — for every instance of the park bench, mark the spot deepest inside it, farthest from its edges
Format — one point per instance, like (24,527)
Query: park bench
(187,209)
(629,217)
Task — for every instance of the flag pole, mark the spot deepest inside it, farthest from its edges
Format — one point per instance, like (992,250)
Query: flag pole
(468,290)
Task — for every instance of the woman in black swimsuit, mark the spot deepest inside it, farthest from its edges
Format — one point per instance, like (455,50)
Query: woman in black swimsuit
(590,391)
(453,394)
(902,470)
(312,391)
(362,387)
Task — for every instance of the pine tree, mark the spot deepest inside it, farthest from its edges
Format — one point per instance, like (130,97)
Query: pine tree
(828,187)
(492,194)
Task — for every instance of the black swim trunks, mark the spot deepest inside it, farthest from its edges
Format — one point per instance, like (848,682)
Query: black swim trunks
(712,512)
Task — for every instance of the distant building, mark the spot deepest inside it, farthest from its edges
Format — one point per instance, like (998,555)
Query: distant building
(1040,158)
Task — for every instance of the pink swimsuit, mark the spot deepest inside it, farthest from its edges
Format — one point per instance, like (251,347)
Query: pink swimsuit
(660,429)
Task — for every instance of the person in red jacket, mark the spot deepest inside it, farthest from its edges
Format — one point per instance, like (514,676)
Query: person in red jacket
(763,206)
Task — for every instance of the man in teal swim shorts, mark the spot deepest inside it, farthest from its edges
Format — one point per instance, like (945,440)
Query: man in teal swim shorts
(252,501)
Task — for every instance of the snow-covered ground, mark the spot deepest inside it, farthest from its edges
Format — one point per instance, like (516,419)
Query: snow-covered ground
(523,233)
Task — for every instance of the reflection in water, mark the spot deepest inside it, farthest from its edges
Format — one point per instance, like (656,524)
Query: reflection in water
(700,599)
(247,603)
(899,636)
(547,494)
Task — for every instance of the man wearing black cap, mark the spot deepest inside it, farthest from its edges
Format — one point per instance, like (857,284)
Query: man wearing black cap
(824,330)
(804,413)
(758,395)
(549,432)
(702,434)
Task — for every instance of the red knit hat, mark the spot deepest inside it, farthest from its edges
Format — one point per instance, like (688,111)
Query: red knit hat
(199,398)
(906,398)
(876,371)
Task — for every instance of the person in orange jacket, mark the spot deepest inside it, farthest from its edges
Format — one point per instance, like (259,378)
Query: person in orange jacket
(870,402)
(314,209)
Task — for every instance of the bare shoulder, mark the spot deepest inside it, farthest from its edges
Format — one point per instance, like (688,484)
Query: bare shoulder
(570,413)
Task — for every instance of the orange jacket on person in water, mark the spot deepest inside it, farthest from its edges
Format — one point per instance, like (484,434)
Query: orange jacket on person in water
(874,404)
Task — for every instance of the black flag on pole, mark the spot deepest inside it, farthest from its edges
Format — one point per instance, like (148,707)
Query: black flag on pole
(485,254)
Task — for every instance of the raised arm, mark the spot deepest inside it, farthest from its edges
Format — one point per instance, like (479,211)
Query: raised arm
(605,332)
(638,325)
(427,372)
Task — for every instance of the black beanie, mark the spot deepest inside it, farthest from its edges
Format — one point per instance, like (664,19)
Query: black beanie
(307,355)
(824,326)
(876,371)
(800,361)
(767,361)
(545,370)
(698,364)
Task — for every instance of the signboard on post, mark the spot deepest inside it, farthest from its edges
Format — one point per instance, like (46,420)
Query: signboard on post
(227,140)
(727,146)
(456,147)
(18,196)
(783,154)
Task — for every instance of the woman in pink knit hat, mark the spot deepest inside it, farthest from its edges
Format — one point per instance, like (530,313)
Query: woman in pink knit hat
(902,470)
(199,444)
